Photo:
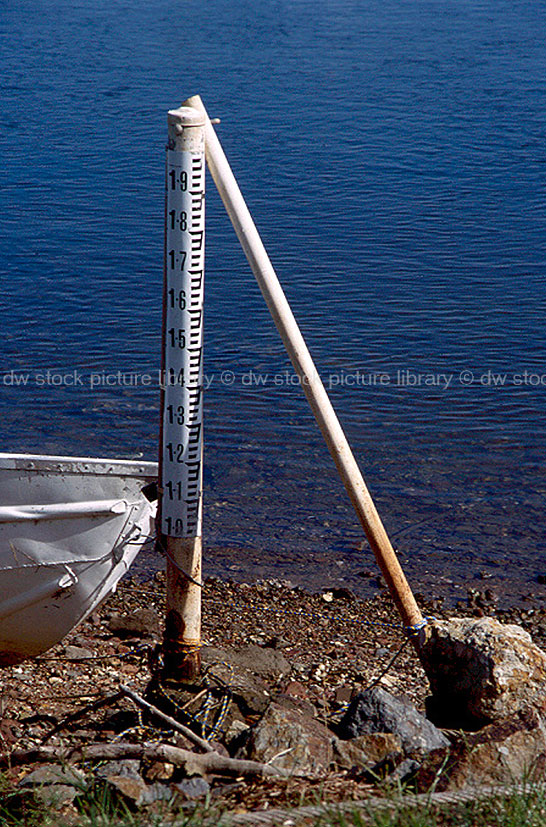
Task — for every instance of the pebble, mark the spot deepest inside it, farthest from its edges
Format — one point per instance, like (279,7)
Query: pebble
(192,788)
(77,653)
(160,771)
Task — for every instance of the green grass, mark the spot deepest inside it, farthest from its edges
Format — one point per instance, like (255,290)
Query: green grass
(526,809)
(97,806)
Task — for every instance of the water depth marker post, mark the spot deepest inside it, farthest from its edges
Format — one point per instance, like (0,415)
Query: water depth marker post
(181,428)
(303,365)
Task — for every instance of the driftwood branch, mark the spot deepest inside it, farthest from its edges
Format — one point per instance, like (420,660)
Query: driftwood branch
(190,735)
(192,762)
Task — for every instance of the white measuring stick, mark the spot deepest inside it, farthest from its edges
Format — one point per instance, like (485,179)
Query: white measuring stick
(305,368)
(181,450)
(182,375)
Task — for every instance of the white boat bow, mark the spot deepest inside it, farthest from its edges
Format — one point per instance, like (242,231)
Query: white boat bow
(70,527)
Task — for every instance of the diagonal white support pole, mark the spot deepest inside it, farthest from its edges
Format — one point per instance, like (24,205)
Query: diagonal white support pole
(305,368)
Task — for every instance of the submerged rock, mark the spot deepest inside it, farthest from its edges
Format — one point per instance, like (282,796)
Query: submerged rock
(481,671)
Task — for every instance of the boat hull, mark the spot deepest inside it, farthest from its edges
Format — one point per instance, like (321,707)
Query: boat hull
(70,528)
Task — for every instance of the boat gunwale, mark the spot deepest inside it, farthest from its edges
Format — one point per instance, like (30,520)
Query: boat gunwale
(97,466)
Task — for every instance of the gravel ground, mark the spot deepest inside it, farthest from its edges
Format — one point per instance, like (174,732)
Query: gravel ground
(336,645)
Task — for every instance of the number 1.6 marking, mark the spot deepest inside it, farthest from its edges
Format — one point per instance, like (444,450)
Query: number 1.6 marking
(177,298)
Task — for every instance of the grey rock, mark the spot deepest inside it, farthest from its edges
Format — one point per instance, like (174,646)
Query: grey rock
(266,662)
(236,735)
(192,788)
(405,770)
(53,774)
(259,640)
(124,768)
(156,792)
(55,795)
(483,670)
(376,710)
(290,739)
(77,653)
(132,787)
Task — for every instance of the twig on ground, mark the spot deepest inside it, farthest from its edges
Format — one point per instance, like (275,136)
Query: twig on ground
(193,763)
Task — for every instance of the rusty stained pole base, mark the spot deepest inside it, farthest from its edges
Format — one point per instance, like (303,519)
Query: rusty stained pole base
(182,639)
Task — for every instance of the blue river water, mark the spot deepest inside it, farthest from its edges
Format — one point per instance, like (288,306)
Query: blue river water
(393,157)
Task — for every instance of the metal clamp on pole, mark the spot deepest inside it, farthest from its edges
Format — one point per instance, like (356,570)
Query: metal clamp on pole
(181,451)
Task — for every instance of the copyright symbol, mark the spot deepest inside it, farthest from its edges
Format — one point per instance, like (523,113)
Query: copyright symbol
(227,377)
(466,377)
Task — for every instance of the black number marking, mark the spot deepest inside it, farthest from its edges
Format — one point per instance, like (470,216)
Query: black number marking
(177,298)
(179,180)
(177,337)
(175,414)
(175,451)
(180,218)
(177,257)
(174,526)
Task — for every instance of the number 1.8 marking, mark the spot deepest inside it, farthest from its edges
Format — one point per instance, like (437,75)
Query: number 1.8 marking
(180,218)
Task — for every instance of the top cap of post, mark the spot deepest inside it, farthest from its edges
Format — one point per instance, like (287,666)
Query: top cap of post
(182,122)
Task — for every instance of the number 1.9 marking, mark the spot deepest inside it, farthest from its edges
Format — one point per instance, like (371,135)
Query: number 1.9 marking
(178,180)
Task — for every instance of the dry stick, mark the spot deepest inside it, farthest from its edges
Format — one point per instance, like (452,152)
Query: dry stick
(193,763)
(190,734)
(303,364)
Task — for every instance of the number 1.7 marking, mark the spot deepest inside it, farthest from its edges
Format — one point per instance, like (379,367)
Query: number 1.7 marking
(177,257)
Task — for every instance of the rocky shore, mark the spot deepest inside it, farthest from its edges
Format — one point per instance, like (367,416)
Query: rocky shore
(299,693)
